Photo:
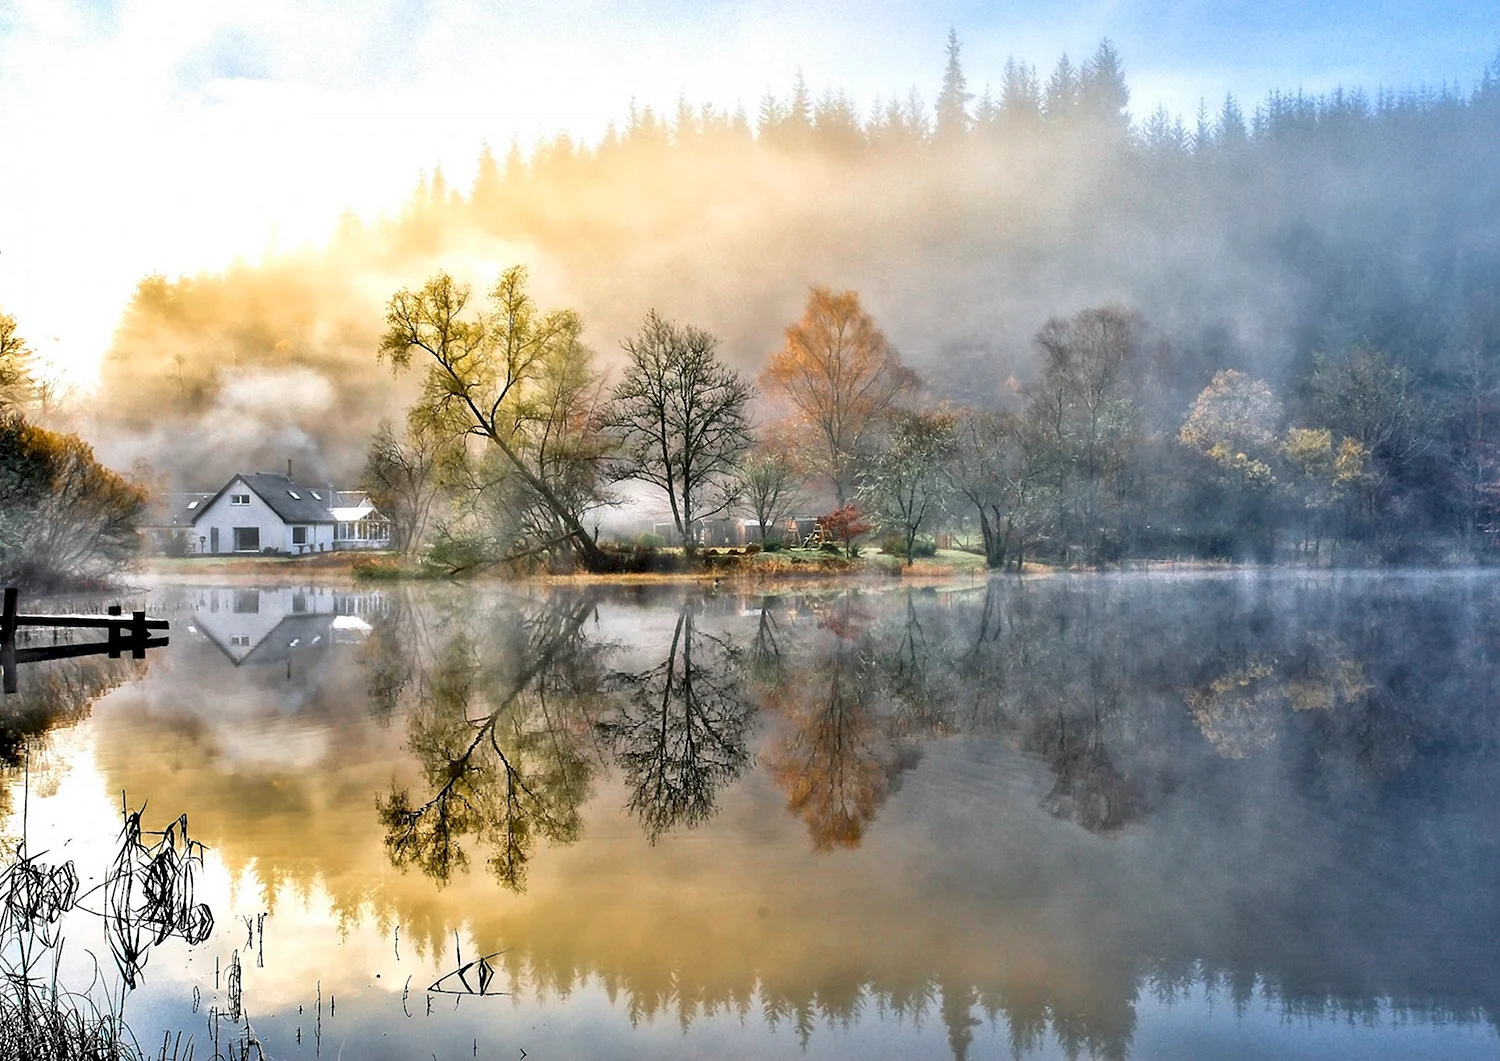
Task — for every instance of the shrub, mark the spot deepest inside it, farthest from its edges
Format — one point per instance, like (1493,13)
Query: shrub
(649,540)
(844,525)
(64,517)
(772,545)
(894,544)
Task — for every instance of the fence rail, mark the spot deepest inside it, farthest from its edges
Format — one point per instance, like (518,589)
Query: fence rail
(122,632)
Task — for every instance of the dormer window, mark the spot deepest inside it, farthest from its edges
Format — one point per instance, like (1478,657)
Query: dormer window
(239,499)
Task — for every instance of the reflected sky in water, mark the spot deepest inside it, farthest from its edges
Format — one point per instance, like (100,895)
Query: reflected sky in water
(1236,816)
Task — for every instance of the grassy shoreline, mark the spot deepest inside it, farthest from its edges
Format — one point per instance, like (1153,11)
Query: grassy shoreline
(718,567)
(715,565)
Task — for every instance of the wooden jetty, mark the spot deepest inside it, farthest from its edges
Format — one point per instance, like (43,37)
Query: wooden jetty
(122,632)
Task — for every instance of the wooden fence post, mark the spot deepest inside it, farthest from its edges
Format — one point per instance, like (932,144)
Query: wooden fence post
(8,641)
(137,635)
(114,633)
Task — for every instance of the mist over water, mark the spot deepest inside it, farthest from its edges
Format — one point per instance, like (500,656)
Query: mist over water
(1083,816)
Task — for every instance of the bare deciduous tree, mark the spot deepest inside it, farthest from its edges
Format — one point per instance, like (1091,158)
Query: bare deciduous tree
(405,477)
(769,488)
(679,416)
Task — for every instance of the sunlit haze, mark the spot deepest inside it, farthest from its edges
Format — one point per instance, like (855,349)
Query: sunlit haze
(171,138)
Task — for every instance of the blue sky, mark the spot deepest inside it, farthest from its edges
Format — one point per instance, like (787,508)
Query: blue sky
(177,135)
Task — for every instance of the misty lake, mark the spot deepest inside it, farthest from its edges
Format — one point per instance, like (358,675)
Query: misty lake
(1243,815)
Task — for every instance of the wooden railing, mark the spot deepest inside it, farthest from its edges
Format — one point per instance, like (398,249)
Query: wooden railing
(122,632)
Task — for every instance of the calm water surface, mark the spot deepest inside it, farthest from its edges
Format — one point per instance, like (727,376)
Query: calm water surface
(1105,816)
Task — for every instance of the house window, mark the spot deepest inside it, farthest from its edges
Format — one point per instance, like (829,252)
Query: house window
(299,535)
(247,601)
(247,539)
(316,496)
(240,640)
(239,499)
(295,496)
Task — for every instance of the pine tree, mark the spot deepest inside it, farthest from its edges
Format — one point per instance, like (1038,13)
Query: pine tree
(1102,92)
(1020,96)
(1232,132)
(1203,134)
(487,189)
(514,173)
(770,117)
(685,126)
(917,126)
(739,122)
(799,114)
(986,112)
(1061,100)
(953,100)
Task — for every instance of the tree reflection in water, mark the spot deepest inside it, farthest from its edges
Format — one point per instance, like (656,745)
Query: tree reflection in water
(1349,720)
(837,755)
(503,767)
(678,731)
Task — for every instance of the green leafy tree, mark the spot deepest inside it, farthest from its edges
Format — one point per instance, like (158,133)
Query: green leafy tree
(503,769)
(517,378)
(1366,396)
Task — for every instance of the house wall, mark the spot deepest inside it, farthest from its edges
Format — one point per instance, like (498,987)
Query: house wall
(225,516)
(319,539)
(274,534)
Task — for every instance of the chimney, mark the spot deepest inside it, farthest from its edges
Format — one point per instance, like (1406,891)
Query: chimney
(289,467)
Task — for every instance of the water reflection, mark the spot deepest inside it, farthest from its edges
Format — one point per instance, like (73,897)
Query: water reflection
(678,730)
(1040,806)
(501,762)
(840,750)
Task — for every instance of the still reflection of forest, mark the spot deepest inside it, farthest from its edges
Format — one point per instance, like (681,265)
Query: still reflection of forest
(1037,800)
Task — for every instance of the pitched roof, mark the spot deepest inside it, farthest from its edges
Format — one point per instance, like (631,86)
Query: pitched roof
(289,499)
(176,509)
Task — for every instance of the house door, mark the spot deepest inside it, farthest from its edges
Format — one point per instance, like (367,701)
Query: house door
(213,539)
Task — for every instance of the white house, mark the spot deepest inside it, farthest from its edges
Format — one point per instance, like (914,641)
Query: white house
(263,512)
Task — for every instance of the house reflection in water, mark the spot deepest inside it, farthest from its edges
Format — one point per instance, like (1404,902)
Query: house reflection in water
(261,625)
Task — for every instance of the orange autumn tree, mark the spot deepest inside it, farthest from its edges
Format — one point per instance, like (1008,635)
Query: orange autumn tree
(838,375)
